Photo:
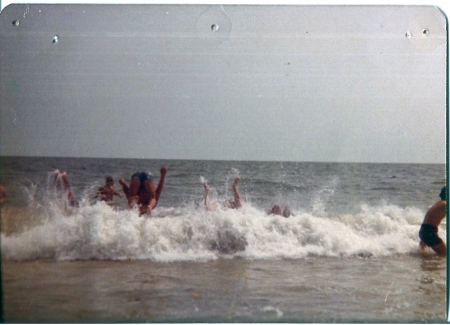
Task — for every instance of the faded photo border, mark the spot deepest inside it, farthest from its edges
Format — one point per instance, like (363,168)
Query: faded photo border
(443,5)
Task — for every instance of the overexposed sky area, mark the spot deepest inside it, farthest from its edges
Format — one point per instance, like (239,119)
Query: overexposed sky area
(284,83)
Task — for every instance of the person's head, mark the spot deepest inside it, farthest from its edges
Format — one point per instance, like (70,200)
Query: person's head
(276,209)
(443,194)
(109,180)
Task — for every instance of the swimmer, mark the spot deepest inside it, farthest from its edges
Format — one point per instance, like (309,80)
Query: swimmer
(428,233)
(236,203)
(107,192)
(208,205)
(62,185)
(142,190)
(276,210)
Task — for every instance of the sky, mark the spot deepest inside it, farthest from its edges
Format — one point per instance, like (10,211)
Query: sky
(295,83)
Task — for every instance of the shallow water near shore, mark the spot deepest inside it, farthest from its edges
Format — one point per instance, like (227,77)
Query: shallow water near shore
(408,288)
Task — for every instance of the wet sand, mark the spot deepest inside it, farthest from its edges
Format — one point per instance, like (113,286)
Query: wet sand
(409,288)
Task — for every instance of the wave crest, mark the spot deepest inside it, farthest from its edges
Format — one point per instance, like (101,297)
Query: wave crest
(100,231)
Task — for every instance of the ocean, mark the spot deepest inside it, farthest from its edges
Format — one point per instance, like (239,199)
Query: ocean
(349,253)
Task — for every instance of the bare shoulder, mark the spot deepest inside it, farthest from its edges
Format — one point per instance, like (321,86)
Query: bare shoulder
(441,204)
(439,208)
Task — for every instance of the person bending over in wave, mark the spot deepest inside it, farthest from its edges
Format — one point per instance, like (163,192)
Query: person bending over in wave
(428,233)
(276,210)
(142,190)
(62,185)
(236,203)
(107,191)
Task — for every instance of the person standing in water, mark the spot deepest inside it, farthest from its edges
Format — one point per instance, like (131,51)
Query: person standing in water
(428,233)
(143,191)
(107,191)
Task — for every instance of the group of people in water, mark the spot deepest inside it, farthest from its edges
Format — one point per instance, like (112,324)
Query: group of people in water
(144,193)
(236,202)
(141,191)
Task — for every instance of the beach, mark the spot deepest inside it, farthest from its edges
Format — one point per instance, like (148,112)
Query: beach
(348,254)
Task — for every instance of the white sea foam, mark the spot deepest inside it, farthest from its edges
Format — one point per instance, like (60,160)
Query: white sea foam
(100,231)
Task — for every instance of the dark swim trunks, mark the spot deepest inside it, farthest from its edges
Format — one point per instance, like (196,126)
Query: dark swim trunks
(142,176)
(428,234)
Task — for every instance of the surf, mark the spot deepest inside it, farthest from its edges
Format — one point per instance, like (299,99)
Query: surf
(104,232)
(49,228)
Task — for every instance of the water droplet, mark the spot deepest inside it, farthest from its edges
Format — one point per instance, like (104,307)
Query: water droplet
(214,27)
(425,32)
(408,34)
(15,23)
(55,39)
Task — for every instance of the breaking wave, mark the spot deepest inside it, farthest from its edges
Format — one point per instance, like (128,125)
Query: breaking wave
(100,231)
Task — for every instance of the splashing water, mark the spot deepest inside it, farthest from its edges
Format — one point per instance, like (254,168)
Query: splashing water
(48,228)
(100,231)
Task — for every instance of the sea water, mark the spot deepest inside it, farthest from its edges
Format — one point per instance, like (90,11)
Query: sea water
(348,253)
